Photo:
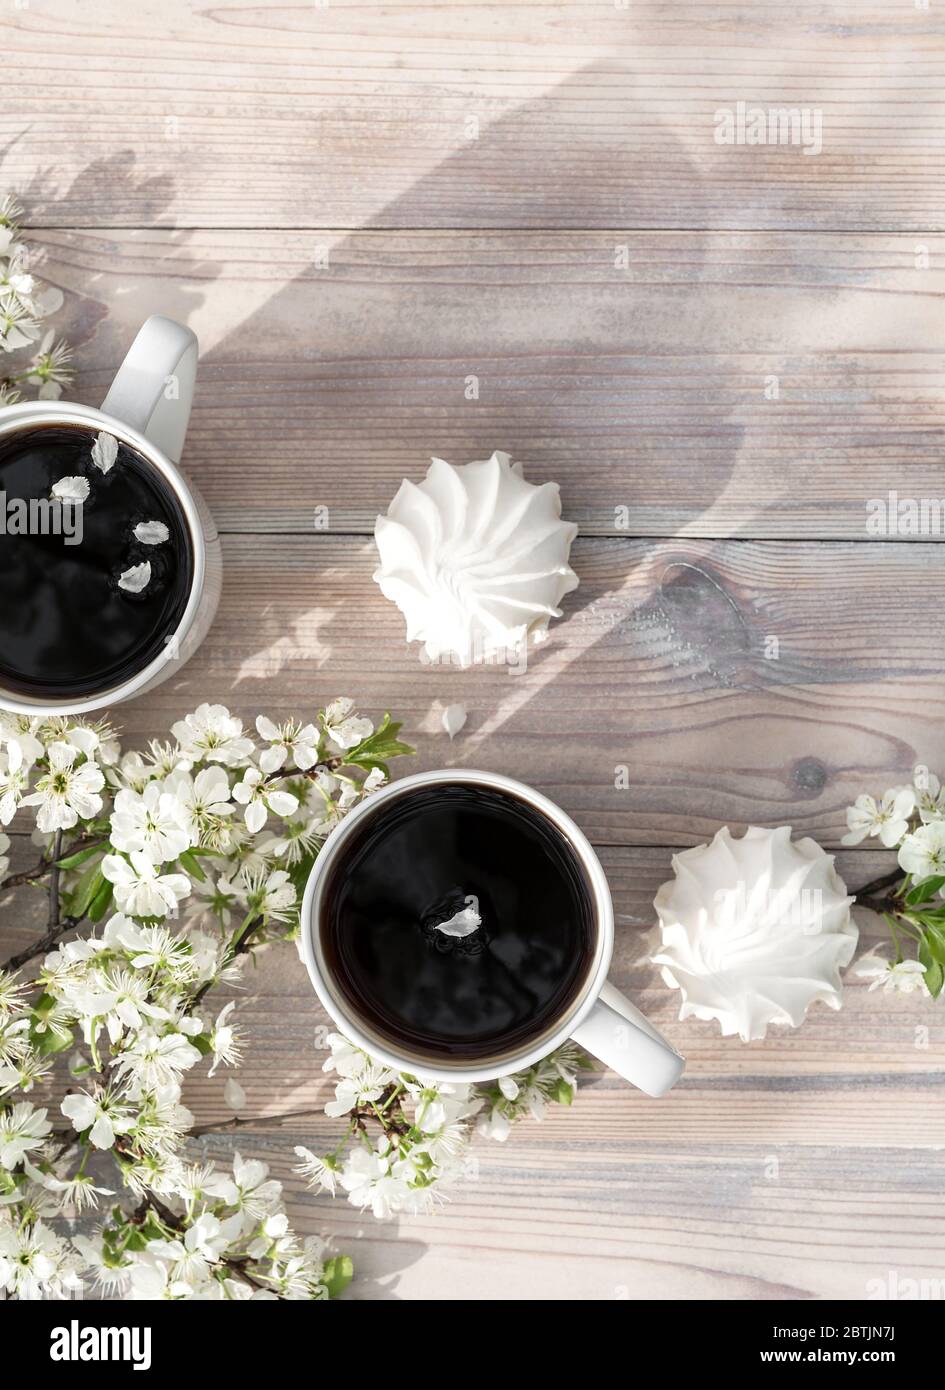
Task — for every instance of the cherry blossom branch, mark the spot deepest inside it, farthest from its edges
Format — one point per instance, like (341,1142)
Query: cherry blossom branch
(254,1122)
(871,895)
(44,944)
(241,947)
(43,866)
(56,925)
(25,875)
(281,773)
(236,1264)
(54,906)
(878,884)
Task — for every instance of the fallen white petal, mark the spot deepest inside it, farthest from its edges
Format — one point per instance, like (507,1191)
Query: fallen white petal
(137,579)
(454,717)
(234,1095)
(71,489)
(105,451)
(461,924)
(151,532)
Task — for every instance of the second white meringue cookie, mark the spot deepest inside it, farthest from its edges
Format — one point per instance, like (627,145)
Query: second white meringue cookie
(475,558)
(753,929)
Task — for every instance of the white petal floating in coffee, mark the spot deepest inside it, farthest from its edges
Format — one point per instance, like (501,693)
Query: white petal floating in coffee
(137,579)
(105,451)
(476,559)
(152,533)
(71,489)
(454,717)
(461,924)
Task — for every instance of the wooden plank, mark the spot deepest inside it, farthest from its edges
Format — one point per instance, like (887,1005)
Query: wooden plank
(551,1216)
(775,1170)
(714,673)
(637,367)
(643,392)
(560,114)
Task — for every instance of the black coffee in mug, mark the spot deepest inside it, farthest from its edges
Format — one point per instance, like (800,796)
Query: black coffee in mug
(399,927)
(85,607)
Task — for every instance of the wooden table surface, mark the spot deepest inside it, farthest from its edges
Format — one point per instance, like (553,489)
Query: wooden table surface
(721,353)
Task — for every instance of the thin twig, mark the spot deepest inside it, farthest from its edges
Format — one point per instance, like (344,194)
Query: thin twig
(882,906)
(25,876)
(237,1264)
(54,911)
(253,1122)
(874,899)
(869,890)
(281,773)
(239,949)
(45,943)
(40,869)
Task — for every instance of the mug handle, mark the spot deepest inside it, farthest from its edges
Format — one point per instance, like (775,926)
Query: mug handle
(618,1035)
(162,356)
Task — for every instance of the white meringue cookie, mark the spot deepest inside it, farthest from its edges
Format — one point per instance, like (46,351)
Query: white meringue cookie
(753,930)
(475,557)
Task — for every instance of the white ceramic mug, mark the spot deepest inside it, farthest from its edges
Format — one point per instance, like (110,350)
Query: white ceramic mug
(147,408)
(599,1018)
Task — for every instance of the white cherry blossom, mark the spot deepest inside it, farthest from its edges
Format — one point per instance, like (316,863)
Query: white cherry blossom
(889,819)
(22,1128)
(140,890)
(66,793)
(153,821)
(101,1115)
(922,853)
(344,727)
(298,740)
(259,798)
(892,977)
(212,734)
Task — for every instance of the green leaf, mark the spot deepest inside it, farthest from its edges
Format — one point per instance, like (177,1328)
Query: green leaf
(43,1007)
(373,751)
(153,1227)
(101,902)
(563,1092)
(189,864)
(934,972)
(925,890)
(936,916)
(339,1272)
(299,874)
(935,939)
(86,891)
(72,861)
(48,1041)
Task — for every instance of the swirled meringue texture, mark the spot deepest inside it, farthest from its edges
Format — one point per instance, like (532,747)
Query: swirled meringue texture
(475,558)
(753,930)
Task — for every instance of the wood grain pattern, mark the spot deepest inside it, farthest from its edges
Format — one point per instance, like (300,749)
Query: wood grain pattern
(774,1170)
(571,113)
(552,1217)
(659,668)
(643,391)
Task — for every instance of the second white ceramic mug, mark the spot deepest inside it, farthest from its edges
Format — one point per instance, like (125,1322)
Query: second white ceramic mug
(147,408)
(600,1018)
